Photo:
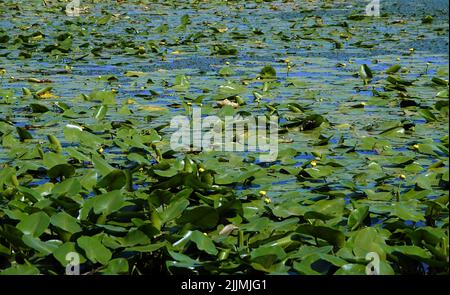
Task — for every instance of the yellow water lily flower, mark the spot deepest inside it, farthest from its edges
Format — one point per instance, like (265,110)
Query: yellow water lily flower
(222,30)
(47,95)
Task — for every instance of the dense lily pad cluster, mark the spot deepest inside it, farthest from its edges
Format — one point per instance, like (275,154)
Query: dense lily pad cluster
(86,165)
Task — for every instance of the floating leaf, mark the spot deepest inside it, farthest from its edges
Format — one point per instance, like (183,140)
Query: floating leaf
(21,269)
(34,224)
(333,236)
(268,72)
(117,266)
(23,134)
(61,170)
(203,217)
(94,249)
(357,217)
(181,83)
(108,203)
(203,242)
(65,222)
(114,180)
(393,69)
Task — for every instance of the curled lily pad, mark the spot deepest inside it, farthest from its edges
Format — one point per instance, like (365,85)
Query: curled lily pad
(114,180)
(23,134)
(335,237)
(268,72)
(61,170)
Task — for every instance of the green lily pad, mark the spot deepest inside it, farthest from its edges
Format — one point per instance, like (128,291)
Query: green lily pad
(34,224)
(95,251)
